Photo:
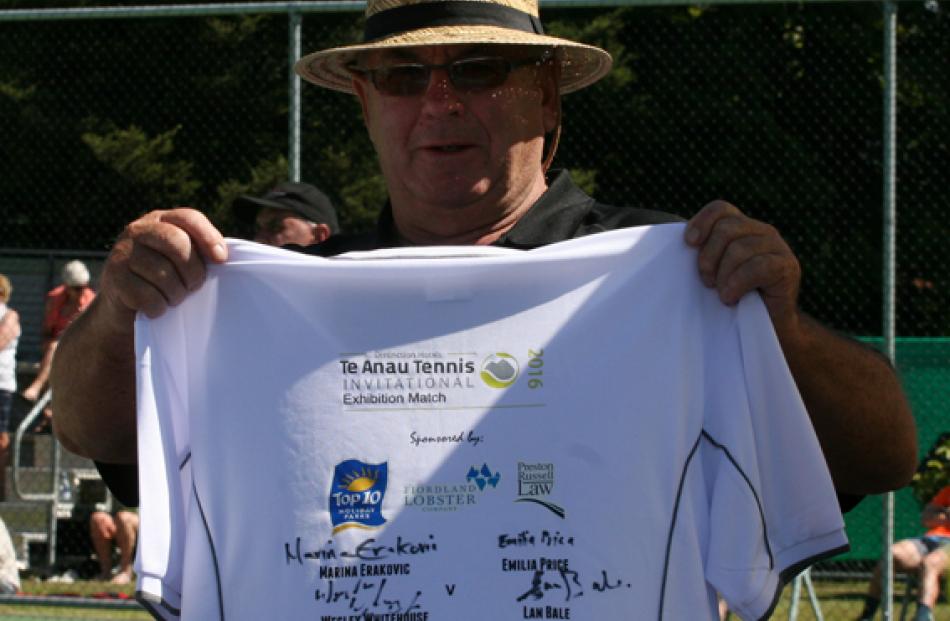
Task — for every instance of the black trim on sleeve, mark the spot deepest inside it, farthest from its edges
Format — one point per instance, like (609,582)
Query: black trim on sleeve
(669,536)
(155,605)
(214,554)
(755,494)
(789,573)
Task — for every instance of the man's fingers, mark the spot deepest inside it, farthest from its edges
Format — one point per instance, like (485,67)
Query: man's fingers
(137,294)
(738,252)
(159,259)
(701,225)
(156,239)
(207,239)
(727,229)
(160,272)
(765,272)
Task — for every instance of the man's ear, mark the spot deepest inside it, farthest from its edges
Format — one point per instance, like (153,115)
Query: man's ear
(320,233)
(359,87)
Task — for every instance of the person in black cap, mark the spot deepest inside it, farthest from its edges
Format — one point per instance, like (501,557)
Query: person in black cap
(291,213)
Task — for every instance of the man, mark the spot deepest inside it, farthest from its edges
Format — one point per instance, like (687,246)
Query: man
(458,98)
(291,213)
(927,555)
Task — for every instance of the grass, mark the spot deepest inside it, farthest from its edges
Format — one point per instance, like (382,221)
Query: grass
(81,588)
(42,613)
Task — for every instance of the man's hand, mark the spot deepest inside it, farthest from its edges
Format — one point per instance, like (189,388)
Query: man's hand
(155,263)
(738,254)
(158,260)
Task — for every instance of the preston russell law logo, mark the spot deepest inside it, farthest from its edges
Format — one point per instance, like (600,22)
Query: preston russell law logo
(356,495)
(499,370)
(535,484)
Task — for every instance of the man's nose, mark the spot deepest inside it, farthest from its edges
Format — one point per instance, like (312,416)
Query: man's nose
(441,96)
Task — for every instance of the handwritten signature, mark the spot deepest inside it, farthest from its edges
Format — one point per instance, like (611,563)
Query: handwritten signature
(568,583)
(366,596)
(367,550)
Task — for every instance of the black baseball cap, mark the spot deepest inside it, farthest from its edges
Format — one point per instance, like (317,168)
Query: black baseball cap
(301,198)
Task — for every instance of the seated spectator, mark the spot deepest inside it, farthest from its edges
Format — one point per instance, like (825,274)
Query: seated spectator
(9,575)
(291,213)
(63,304)
(927,555)
(9,335)
(120,527)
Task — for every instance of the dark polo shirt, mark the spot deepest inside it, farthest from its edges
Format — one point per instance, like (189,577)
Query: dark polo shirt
(563,212)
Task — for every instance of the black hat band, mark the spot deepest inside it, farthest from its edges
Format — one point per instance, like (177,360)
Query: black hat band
(434,14)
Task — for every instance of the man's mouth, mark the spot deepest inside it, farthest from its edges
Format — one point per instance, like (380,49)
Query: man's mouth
(447,148)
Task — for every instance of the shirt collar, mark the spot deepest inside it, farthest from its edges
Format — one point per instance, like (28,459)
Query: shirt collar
(555,216)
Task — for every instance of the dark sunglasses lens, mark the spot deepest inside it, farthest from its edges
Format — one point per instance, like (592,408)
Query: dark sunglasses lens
(401,80)
(479,73)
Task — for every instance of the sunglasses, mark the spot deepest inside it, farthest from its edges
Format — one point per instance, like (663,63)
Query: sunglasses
(466,75)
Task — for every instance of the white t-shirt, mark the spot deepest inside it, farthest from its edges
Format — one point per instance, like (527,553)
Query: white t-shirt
(580,431)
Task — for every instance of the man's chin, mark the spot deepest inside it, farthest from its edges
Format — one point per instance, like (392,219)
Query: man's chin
(456,195)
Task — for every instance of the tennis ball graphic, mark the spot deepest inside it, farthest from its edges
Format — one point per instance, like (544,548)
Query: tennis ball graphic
(499,370)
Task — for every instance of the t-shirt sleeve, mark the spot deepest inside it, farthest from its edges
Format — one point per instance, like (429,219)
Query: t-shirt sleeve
(773,508)
(162,452)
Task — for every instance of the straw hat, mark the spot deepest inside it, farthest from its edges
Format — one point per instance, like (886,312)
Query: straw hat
(413,23)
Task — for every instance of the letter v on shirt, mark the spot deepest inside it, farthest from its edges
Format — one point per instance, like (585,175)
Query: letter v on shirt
(641,445)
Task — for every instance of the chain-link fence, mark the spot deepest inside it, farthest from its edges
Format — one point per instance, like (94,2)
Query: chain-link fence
(778,108)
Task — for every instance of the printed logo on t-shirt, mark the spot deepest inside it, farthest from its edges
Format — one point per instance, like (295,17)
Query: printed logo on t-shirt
(535,484)
(499,370)
(431,496)
(356,496)
(483,477)
(435,380)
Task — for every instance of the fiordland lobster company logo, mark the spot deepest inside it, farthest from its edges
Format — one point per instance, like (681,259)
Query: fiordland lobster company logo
(356,495)
(483,477)
(499,370)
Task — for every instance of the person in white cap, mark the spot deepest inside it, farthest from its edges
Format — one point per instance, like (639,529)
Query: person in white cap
(63,305)
(462,100)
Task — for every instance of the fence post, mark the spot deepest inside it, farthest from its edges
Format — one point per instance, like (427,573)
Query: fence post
(889,249)
(293,110)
